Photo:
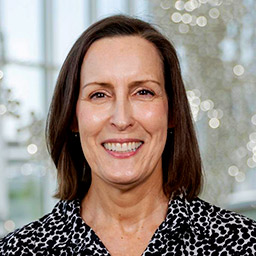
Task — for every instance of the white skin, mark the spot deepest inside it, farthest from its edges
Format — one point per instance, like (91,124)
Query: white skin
(122,96)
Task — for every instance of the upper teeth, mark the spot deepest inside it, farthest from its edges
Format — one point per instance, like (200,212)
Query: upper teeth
(122,147)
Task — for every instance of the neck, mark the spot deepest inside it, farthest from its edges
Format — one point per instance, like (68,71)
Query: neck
(127,209)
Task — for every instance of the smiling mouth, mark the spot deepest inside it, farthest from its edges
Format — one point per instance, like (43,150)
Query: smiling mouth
(125,147)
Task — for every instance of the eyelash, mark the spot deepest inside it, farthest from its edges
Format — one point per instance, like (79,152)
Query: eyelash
(143,92)
(146,92)
(98,95)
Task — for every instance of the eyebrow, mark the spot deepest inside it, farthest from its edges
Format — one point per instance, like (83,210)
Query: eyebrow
(134,83)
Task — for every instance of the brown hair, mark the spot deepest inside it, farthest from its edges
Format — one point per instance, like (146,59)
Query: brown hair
(182,170)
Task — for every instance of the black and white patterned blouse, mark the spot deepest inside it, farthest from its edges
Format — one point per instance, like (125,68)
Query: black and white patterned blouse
(190,228)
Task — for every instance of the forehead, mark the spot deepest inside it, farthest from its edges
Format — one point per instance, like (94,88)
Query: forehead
(124,43)
(122,53)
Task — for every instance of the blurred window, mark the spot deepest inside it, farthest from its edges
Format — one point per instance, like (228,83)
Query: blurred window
(35,37)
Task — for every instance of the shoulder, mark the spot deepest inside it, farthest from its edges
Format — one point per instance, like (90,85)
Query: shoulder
(223,227)
(35,235)
(202,210)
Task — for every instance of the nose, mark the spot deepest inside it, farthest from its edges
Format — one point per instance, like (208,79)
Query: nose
(122,117)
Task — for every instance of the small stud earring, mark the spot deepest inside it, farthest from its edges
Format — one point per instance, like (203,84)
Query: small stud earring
(170,131)
(75,134)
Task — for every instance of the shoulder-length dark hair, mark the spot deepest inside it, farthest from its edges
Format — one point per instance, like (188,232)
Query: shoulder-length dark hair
(182,170)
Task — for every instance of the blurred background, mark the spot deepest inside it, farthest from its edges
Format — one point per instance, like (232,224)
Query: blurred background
(216,44)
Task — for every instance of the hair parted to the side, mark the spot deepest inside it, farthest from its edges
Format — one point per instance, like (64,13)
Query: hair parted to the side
(182,170)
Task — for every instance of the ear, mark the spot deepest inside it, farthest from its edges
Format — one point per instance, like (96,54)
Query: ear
(171,123)
(74,125)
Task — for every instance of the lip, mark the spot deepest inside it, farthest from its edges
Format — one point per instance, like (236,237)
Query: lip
(124,154)
(119,140)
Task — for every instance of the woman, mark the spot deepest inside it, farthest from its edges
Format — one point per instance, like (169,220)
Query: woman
(121,136)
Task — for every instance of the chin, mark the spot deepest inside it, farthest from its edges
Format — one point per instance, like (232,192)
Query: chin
(124,181)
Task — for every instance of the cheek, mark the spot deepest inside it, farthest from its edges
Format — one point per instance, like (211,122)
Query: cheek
(153,116)
(89,119)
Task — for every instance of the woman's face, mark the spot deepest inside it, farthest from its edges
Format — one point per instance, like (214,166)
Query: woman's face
(122,111)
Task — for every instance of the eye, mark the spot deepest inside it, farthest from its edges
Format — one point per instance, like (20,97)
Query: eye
(145,92)
(98,95)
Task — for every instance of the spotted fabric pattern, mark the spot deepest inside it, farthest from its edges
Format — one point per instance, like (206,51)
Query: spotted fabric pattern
(190,228)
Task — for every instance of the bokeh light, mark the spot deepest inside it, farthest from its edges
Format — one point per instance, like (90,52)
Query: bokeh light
(176,17)
(3,109)
(165,4)
(186,18)
(233,170)
(240,177)
(251,163)
(9,225)
(253,119)
(201,21)
(214,123)
(26,169)
(179,5)
(238,70)
(32,149)
(213,113)
(206,105)
(214,13)
(1,74)
(251,145)
(252,136)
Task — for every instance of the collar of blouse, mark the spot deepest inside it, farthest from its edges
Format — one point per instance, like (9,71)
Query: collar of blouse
(182,215)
